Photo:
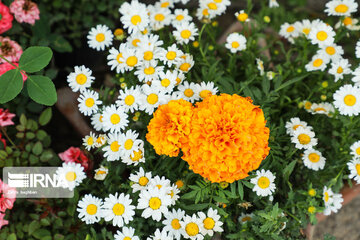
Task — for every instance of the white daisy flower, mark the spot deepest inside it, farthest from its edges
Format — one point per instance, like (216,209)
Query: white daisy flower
(333,51)
(152,97)
(129,142)
(340,68)
(141,180)
(214,8)
(115,58)
(131,58)
(264,183)
(101,173)
(181,77)
(113,150)
(235,42)
(347,100)
(118,209)
(163,235)
(170,55)
(89,141)
(318,62)
(354,168)
(88,102)
(96,121)
(243,218)
(270,75)
(155,203)
(211,222)
(260,66)
(129,99)
(182,1)
(303,27)
(333,202)
(242,16)
(355,149)
(172,223)
(288,31)
(80,79)
(304,138)
(181,16)
(134,40)
(185,32)
(356,78)
(70,174)
(149,72)
(273,4)
(126,234)
(192,227)
(187,91)
(166,81)
(202,13)
(100,140)
(357,49)
(159,17)
(136,157)
(151,40)
(293,124)
(322,34)
(149,53)
(90,209)
(348,22)
(341,7)
(313,159)
(134,17)
(307,105)
(100,37)
(174,194)
(114,119)
(161,183)
(323,108)
(205,89)
(185,63)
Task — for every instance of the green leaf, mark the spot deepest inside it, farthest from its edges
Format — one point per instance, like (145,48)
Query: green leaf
(41,233)
(11,84)
(241,190)
(45,117)
(288,170)
(42,90)
(34,225)
(290,82)
(11,237)
(34,59)
(196,207)
(60,44)
(37,149)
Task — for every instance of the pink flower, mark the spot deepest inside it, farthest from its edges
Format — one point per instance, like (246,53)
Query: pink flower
(74,154)
(7,196)
(6,118)
(9,49)
(7,66)
(3,222)
(25,11)
(6,18)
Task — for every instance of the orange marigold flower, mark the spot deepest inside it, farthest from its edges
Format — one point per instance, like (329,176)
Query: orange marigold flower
(228,138)
(168,130)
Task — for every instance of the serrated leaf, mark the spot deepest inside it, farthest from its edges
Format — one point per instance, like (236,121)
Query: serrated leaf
(34,59)
(11,84)
(42,90)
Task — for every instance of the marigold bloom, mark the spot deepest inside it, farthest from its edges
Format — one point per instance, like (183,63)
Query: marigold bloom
(169,129)
(6,18)
(25,11)
(228,138)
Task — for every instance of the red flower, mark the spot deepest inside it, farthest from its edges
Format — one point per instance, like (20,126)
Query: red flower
(74,154)
(7,66)
(6,18)
(2,140)
(6,118)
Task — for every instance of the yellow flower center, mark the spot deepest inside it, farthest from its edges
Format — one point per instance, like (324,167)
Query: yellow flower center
(115,118)
(135,42)
(165,82)
(263,182)
(314,157)
(100,172)
(245,219)
(358,151)
(178,81)
(330,50)
(131,61)
(312,192)
(149,71)
(296,126)
(154,203)
(118,57)
(179,17)
(143,181)
(212,6)
(205,12)
(100,37)
(304,139)
(321,35)
(209,223)
(319,109)
(185,67)
(137,156)
(159,17)
(235,44)
(136,19)
(341,8)
(118,209)
(91,209)
(171,55)
(129,100)
(152,98)
(101,118)
(290,29)
(326,199)
(128,144)
(148,55)
(308,105)
(311,209)
(242,17)
(114,146)
(306,31)
(175,224)
(164,4)
(185,34)
(318,62)
(192,229)
(89,102)
(350,100)
(347,21)
(90,141)
(118,32)
(339,70)
(189,92)
(204,93)
(70,176)
(358,169)
(81,79)
(127,238)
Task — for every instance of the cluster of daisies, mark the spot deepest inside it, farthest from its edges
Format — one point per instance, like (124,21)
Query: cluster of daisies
(323,35)
(354,164)
(155,196)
